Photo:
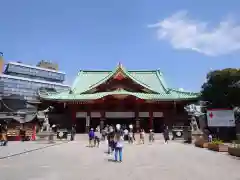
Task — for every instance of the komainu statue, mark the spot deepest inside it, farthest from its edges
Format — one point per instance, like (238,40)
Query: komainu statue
(194,124)
(46,125)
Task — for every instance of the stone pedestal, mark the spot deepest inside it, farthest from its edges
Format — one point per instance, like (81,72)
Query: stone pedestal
(46,135)
(197,134)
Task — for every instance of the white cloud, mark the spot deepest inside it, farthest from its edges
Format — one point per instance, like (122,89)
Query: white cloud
(185,33)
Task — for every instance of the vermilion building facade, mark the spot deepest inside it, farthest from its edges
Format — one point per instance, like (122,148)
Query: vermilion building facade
(141,98)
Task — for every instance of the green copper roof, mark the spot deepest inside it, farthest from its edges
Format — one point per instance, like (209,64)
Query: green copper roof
(173,95)
(86,80)
(122,70)
(151,80)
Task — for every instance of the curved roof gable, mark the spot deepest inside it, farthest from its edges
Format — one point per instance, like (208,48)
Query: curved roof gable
(119,70)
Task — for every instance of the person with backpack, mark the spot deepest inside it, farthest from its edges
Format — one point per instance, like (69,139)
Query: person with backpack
(110,138)
(91,136)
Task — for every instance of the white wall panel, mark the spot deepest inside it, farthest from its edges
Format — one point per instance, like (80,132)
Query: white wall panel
(81,114)
(120,114)
(157,114)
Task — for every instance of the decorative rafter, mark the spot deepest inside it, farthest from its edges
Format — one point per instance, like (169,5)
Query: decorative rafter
(119,76)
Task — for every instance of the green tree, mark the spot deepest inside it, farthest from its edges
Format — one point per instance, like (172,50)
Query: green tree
(221,90)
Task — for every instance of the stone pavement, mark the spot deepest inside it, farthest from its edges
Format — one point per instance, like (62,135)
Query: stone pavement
(75,161)
(16,147)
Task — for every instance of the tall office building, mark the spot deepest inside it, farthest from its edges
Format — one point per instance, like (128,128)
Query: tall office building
(20,82)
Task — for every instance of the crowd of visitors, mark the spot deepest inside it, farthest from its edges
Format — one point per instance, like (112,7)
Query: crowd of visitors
(115,137)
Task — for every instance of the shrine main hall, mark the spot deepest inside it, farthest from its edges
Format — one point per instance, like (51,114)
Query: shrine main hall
(120,96)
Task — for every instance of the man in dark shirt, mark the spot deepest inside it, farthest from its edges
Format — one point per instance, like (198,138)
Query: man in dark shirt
(110,138)
(73,132)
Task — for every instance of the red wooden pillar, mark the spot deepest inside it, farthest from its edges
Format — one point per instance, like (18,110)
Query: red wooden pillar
(103,112)
(73,114)
(103,109)
(88,120)
(137,107)
(34,132)
(150,118)
(102,119)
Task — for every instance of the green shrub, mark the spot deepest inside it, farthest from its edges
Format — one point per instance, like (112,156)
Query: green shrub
(217,141)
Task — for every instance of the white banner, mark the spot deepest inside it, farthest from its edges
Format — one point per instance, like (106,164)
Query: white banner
(220,118)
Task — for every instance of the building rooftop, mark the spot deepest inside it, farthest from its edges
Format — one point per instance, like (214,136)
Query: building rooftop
(152,82)
(32,80)
(35,67)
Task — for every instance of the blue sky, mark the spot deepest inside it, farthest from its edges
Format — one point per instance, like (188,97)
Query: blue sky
(185,39)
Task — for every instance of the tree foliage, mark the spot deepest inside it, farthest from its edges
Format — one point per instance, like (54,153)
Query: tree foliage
(221,90)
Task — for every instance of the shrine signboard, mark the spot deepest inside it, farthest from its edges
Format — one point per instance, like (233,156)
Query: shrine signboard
(220,118)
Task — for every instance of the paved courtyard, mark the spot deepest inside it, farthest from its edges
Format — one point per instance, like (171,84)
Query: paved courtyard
(75,161)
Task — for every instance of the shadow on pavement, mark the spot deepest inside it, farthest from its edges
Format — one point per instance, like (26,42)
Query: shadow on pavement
(112,160)
(30,150)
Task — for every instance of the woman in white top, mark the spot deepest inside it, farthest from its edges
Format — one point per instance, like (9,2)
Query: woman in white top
(118,139)
(97,136)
